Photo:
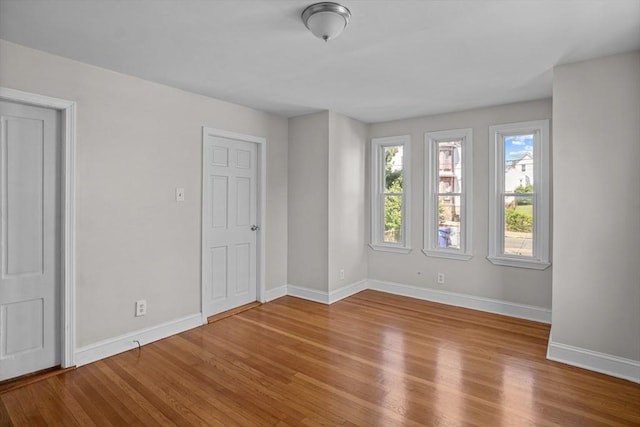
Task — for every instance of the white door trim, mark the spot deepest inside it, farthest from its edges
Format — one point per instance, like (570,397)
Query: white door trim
(68,141)
(261,214)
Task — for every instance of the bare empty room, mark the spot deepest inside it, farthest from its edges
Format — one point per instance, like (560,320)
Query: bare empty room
(294,213)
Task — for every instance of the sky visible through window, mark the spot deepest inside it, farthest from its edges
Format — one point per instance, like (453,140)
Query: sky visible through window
(515,147)
(396,161)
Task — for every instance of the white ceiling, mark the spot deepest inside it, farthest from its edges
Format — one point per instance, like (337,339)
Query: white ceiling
(397,58)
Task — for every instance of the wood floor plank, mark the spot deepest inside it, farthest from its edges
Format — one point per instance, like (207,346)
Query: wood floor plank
(372,359)
(5,420)
(67,395)
(174,406)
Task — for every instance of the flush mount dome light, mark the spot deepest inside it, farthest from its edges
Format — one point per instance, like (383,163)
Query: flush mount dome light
(326,20)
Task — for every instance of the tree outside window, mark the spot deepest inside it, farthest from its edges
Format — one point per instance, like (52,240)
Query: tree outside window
(389,194)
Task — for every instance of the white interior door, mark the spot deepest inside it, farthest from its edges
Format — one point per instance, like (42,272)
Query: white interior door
(229,223)
(29,239)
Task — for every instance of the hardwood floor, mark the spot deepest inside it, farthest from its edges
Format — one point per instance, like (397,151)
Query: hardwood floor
(372,359)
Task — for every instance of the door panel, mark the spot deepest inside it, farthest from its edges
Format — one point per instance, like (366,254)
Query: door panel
(27,313)
(219,201)
(29,239)
(243,202)
(243,268)
(229,272)
(23,196)
(218,273)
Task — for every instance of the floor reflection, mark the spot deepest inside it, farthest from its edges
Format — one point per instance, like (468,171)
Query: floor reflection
(393,359)
(517,393)
(448,383)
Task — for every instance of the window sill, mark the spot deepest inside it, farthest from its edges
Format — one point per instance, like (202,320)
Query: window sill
(447,254)
(520,263)
(389,248)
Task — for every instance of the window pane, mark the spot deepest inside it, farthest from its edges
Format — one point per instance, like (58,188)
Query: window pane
(393,169)
(518,171)
(518,225)
(450,166)
(392,219)
(449,233)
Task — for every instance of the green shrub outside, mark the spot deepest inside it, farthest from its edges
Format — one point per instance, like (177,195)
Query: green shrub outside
(393,209)
(524,189)
(520,218)
(518,221)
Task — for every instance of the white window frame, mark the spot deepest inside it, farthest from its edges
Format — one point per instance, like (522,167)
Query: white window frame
(432,190)
(377,194)
(540,259)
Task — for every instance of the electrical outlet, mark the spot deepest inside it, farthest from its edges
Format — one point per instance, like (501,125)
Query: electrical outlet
(342,274)
(141,307)
(441,278)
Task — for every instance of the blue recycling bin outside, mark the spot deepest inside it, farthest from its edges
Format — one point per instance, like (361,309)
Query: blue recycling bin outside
(444,237)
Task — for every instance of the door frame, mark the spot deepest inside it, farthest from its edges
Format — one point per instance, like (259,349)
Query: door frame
(67,111)
(260,214)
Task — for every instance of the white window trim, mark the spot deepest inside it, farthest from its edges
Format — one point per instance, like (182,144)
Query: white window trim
(431,155)
(377,203)
(541,228)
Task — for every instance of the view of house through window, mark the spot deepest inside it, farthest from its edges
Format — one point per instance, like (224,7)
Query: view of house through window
(519,195)
(447,197)
(449,193)
(393,193)
(519,221)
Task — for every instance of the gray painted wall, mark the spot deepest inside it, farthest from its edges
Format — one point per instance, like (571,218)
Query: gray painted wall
(348,236)
(136,142)
(596,155)
(477,277)
(326,201)
(308,199)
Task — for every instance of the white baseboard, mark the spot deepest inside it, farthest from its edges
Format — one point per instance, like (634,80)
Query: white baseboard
(275,293)
(346,291)
(615,366)
(113,346)
(308,294)
(327,297)
(521,311)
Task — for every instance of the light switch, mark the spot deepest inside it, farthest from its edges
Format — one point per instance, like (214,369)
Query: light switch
(179,194)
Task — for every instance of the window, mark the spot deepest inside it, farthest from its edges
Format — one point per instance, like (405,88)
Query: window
(448,189)
(390,190)
(519,195)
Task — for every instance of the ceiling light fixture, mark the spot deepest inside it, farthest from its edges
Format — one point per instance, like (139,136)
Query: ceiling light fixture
(326,20)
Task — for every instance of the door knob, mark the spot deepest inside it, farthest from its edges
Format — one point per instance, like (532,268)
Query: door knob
(255,228)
